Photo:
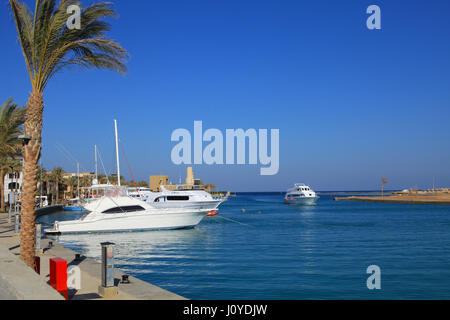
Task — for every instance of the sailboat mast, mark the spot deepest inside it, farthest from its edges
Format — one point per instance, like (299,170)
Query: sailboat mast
(117,153)
(78,175)
(96,171)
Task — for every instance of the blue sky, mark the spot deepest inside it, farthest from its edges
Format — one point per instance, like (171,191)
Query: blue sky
(352,104)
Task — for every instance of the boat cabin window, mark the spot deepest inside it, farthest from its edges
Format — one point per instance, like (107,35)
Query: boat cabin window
(177,198)
(124,209)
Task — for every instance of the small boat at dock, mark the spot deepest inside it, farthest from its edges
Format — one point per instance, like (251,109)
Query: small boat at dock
(73,205)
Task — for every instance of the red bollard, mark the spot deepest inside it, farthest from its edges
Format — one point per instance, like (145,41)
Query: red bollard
(58,275)
(37,264)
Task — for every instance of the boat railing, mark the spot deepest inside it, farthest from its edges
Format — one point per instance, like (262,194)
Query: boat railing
(187,187)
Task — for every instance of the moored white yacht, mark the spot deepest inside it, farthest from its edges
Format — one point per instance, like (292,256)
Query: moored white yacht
(301,194)
(184,196)
(117,211)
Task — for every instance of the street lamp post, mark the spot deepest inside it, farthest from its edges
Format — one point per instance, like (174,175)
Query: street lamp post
(14,188)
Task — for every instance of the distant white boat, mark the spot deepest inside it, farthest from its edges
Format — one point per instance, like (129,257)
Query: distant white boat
(117,211)
(301,194)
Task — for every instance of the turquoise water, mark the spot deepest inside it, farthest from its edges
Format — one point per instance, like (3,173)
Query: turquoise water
(275,251)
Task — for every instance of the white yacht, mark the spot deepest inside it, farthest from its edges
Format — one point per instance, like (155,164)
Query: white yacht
(184,196)
(117,211)
(141,193)
(301,194)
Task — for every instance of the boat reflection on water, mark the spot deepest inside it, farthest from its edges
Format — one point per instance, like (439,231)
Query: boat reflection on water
(305,210)
(136,248)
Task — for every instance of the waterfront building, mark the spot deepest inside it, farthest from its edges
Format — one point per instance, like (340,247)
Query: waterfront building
(163,180)
(157,181)
(12,183)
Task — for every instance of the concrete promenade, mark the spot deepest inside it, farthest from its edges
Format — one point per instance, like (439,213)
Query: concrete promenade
(17,281)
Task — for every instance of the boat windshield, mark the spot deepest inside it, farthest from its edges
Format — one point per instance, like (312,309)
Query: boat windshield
(116,192)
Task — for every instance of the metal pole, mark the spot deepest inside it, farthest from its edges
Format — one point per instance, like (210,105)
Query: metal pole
(78,174)
(10,209)
(40,187)
(38,238)
(17,224)
(117,153)
(107,264)
(96,170)
(14,189)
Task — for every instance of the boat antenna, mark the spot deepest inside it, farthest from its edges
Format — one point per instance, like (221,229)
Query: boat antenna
(117,153)
(96,170)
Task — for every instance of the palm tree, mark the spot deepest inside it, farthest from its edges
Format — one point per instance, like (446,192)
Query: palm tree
(71,182)
(11,122)
(85,181)
(41,177)
(57,175)
(142,183)
(210,187)
(113,179)
(383,181)
(49,46)
(102,178)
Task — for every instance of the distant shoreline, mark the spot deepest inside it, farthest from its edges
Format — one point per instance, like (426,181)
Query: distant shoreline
(331,192)
(439,199)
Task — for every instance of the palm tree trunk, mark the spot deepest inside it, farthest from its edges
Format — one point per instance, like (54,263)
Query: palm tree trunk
(31,153)
(2,195)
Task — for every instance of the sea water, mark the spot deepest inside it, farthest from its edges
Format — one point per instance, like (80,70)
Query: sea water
(271,250)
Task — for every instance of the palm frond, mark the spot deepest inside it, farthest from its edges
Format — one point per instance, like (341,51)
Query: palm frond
(49,45)
(11,121)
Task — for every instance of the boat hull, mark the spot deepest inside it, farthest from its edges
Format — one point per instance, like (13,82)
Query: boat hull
(130,222)
(308,201)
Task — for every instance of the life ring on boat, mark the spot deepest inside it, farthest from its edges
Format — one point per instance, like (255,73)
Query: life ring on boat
(212,213)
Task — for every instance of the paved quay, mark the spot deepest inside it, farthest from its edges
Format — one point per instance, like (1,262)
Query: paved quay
(17,281)
(405,199)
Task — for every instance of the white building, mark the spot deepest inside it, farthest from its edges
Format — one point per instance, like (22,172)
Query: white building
(13,182)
